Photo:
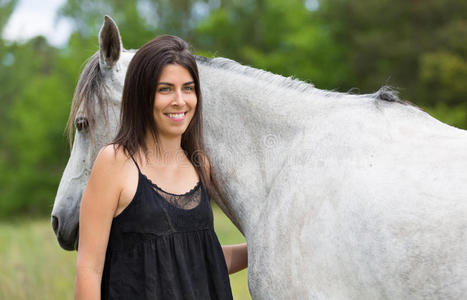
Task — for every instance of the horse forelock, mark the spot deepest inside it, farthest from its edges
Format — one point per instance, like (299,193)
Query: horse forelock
(90,90)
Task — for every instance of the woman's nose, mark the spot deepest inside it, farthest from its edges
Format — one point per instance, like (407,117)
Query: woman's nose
(179,98)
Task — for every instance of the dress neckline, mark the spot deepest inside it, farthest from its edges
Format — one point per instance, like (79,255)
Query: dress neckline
(191,191)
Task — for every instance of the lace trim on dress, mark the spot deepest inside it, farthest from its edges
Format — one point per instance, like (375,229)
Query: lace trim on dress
(188,200)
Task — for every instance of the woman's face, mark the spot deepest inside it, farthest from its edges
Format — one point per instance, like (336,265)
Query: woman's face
(175,100)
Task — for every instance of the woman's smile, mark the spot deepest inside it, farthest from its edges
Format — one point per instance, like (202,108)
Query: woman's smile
(177,117)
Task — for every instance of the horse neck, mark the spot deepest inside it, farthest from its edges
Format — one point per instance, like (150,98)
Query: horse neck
(253,129)
(249,127)
(257,124)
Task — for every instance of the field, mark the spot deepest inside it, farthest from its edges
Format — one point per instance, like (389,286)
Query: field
(33,266)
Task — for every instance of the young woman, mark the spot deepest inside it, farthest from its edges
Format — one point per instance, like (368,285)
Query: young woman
(146,227)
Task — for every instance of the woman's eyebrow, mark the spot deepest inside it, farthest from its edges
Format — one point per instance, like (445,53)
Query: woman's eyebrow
(166,83)
(171,84)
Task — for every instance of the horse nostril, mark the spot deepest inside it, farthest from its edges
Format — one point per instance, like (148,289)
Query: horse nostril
(55,224)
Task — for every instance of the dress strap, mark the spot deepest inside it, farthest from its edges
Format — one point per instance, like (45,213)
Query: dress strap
(135,163)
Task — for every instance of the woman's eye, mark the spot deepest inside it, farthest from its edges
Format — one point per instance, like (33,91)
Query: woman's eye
(164,89)
(189,88)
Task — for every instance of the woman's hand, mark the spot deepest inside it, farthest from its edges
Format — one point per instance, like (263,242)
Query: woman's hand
(236,257)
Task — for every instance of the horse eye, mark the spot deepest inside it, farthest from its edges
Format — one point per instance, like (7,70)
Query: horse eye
(81,123)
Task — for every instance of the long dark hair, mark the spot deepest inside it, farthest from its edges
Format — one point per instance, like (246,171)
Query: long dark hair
(136,115)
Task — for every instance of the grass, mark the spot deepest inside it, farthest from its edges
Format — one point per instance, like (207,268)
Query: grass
(33,266)
(228,234)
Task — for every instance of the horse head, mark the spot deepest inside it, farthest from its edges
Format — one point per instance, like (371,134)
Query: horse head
(94,117)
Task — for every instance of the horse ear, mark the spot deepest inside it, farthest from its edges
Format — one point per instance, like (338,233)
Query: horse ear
(110,43)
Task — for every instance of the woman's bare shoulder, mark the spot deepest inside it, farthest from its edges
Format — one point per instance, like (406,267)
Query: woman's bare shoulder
(113,161)
(113,154)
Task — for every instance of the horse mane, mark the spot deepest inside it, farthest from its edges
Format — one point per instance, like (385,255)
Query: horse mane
(270,78)
(90,88)
(385,93)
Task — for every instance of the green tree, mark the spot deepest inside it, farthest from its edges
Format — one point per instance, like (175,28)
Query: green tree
(139,21)
(399,42)
(283,37)
(6,60)
(6,8)
(33,140)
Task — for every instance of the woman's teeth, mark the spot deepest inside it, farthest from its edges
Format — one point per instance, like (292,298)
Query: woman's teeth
(176,116)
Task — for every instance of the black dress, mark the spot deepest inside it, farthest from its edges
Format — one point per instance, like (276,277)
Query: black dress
(163,246)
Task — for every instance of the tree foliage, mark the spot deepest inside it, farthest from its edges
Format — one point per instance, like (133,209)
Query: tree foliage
(416,46)
(409,44)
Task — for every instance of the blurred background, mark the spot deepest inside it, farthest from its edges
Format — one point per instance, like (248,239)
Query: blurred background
(418,47)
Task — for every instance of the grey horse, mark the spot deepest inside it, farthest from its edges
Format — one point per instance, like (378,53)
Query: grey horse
(339,196)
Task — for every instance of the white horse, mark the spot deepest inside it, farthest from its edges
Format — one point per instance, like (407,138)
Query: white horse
(339,196)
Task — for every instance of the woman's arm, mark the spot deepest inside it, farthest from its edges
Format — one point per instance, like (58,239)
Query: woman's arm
(236,257)
(98,205)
